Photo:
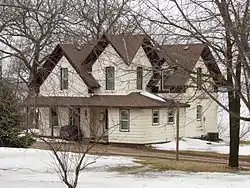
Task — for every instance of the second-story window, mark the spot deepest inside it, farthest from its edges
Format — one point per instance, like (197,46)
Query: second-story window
(110,78)
(165,74)
(64,78)
(139,77)
(199,78)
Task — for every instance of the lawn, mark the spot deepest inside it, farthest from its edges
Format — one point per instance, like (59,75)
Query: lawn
(31,168)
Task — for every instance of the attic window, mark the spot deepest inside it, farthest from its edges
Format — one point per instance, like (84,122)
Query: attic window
(64,78)
(199,78)
(110,78)
(165,74)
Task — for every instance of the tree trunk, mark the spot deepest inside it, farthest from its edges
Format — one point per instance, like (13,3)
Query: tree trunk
(234,121)
(234,106)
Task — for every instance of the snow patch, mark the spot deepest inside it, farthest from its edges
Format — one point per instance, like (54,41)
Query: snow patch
(201,145)
(152,96)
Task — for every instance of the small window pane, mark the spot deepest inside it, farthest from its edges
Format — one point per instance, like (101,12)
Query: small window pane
(199,78)
(124,125)
(166,73)
(139,79)
(54,117)
(171,116)
(110,78)
(64,78)
(124,120)
(155,117)
(199,112)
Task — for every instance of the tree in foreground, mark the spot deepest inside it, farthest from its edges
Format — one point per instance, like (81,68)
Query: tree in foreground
(10,120)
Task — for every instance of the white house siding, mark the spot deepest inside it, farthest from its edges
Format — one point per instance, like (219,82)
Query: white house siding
(141,129)
(194,97)
(125,75)
(51,86)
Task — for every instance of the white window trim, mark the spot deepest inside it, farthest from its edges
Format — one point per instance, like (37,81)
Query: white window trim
(169,73)
(171,122)
(198,112)
(127,120)
(154,124)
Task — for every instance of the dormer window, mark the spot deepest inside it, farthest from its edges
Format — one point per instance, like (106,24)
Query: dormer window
(64,78)
(165,74)
(110,78)
(199,78)
(139,77)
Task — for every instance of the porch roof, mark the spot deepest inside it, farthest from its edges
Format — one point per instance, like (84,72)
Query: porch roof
(133,100)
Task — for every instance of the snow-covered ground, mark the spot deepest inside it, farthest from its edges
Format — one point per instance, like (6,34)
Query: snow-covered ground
(33,168)
(201,145)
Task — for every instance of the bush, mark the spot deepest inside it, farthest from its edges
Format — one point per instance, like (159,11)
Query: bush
(10,121)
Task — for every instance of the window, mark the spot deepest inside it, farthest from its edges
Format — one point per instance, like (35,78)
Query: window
(139,79)
(110,78)
(155,116)
(165,74)
(124,120)
(198,113)
(74,116)
(170,115)
(199,78)
(64,78)
(53,117)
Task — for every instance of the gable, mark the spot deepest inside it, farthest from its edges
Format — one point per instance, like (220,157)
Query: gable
(183,59)
(51,85)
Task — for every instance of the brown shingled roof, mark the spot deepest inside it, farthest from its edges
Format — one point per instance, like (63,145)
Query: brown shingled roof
(184,58)
(126,45)
(75,55)
(133,100)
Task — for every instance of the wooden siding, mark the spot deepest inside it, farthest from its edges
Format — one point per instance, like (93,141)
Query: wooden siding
(52,87)
(141,129)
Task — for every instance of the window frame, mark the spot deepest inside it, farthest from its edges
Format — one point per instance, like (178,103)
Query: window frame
(168,73)
(199,77)
(198,113)
(139,77)
(158,117)
(173,116)
(107,79)
(55,111)
(64,82)
(124,120)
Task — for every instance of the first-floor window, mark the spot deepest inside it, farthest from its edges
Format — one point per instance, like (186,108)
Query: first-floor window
(53,117)
(124,120)
(198,113)
(170,115)
(156,117)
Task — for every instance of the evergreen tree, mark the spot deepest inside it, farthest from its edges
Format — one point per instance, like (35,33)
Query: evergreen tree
(10,120)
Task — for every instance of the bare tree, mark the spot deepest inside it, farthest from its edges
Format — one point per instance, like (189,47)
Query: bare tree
(70,160)
(223,26)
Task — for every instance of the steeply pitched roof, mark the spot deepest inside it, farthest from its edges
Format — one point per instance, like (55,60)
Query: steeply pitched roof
(183,57)
(83,57)
(133,100)
(75,55)
(127,45)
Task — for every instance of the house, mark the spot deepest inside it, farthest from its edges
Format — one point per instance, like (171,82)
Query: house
(123,89)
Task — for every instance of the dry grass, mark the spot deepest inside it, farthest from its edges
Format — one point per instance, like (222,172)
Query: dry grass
(155,164)
(245,142)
